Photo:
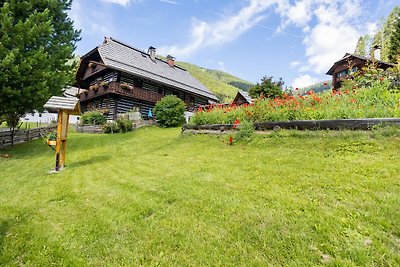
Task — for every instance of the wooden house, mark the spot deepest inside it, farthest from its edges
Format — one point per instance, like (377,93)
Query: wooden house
(118,78)
(241,98)
(349,64)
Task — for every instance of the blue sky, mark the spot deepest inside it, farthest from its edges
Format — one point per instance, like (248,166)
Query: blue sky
(295,40)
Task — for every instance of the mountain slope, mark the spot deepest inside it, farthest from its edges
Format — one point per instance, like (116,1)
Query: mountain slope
(222,84)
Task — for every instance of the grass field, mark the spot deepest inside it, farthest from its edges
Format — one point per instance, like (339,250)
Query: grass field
(156,197)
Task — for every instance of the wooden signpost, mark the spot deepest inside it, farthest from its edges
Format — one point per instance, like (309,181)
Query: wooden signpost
(64,106)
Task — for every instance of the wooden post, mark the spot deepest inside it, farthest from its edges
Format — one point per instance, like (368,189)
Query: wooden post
(64,107)
(65,120)
(58,142)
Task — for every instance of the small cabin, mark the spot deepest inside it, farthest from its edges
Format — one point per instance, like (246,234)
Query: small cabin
(241,98)
(349,64)
(115,78)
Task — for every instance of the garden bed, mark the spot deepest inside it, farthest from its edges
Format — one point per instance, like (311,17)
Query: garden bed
(340,124)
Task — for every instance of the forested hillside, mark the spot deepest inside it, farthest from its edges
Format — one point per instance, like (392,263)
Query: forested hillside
(222,84)
(317,87)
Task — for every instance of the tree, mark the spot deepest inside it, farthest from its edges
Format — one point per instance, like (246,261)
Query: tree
(170,111)
(384,37)
(361,47)
(394,40)
(267,87)
(36,40)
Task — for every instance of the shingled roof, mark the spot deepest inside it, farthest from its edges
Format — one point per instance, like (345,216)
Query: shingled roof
(120,56)
(348,56)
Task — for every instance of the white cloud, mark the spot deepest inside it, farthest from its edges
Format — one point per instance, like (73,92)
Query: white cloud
(205,34)
(172,2)
(294,64)
(119,2)
(330,29)
(303,81)
(332,33)
(327,43)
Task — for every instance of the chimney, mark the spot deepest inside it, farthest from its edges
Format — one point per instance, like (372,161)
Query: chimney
(377,52)
(171,61)
(152,53)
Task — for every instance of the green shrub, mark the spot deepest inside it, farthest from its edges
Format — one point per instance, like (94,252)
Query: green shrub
(93,117)
(246,130)
(111,127)
(124,124)
(170,111)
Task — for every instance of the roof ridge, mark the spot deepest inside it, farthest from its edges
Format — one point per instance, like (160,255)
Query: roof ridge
(141,51)
(167,78)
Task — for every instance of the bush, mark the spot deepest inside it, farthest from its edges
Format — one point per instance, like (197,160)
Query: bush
(246,130)
(111,127)
(124,125)
(93,117)
(120,125)
(170,111)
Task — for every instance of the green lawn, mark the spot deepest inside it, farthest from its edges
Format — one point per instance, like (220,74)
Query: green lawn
(156,197)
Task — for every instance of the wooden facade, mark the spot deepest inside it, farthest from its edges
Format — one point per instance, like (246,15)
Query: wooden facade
(349,64)
(116,89)
(242,98)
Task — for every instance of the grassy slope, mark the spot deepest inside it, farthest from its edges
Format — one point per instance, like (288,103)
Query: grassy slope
(220,83)
(156,197)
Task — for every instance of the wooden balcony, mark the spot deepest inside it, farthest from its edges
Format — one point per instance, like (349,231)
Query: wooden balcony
(121,89)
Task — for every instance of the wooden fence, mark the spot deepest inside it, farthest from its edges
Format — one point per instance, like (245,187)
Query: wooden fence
(26,135)
(351,124)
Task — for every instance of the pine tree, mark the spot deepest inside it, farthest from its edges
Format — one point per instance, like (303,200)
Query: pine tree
(36,40)
(361,47)
(394,41)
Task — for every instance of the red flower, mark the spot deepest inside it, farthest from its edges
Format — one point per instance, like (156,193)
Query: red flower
(297,89)
(236,123)
(230,140)
(382,79)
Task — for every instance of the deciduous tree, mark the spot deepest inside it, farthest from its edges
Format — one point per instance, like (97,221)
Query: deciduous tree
(268,87)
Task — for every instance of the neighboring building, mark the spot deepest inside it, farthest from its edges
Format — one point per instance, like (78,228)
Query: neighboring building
(351,63)
(119,78)
(241,98)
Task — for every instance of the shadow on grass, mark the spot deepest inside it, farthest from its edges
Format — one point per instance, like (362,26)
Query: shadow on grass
(90,161)
(4,226)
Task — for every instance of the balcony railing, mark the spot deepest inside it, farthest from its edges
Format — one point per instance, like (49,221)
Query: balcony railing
(120,89)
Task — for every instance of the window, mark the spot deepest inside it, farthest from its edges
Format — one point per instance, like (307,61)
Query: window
(341,74)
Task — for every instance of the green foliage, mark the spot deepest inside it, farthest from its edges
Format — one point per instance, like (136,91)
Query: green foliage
(363,96)
(124,125)
(111,127)
(267,87)
(36,41)
(386,37)
(361,46)
(169,111)
(51,136)
(246,131)
(316,88)
(394,40)
(93,117)
(121,125)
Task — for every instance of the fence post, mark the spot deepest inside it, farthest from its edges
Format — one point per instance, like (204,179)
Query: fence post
(28,137)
